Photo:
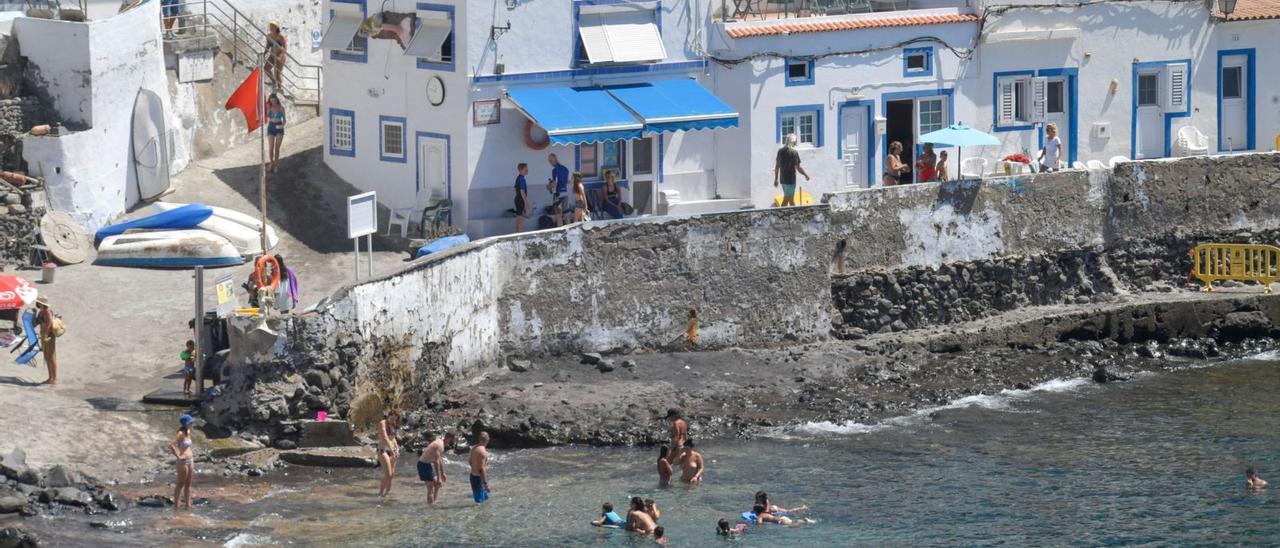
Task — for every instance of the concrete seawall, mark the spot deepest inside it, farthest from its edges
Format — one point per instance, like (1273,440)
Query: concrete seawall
(756,278)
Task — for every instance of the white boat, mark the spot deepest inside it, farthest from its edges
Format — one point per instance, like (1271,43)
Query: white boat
(168,249)
(239,229)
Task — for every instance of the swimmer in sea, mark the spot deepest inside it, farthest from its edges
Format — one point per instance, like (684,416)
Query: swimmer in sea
(608,518)
(723,529)
(1252,481)
(651,508)
(664,466)
(660,535)
(762,498)
(763,517)
(691,465)
(679,433)
(637,519)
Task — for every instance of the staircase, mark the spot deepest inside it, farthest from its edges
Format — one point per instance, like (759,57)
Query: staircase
(243,40)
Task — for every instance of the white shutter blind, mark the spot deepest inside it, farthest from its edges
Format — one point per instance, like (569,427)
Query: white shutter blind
(634,37)
(1176,88)
(342,29)
(1007,103)
(594,39)
(1039,99)
(430,37)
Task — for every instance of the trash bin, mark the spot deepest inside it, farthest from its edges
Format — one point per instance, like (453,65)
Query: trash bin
(47,270)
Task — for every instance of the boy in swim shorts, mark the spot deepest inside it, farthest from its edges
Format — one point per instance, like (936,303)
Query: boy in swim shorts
(480,469)
(188,366)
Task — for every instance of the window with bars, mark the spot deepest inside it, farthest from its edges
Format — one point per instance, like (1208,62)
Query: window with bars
(1149,89)
(342,131)
(932,117)
(392,139)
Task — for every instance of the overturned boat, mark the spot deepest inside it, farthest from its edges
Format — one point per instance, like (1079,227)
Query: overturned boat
(243,231)
(168,249)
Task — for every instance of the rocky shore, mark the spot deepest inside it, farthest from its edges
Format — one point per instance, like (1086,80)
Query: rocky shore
(620,400)
(29,491)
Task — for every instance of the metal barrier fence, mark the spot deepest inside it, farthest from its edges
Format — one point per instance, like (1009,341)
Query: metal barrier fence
(1239,262)
(244,41)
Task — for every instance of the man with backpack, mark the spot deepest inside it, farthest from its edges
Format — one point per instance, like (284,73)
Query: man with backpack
(50,327)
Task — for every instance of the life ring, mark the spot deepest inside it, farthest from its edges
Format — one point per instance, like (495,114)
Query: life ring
(528,137)
(275,271)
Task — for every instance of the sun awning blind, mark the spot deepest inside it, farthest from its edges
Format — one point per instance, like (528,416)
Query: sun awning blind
(342,28)
(622,36)
(577,115)
(431,35)
(675,105)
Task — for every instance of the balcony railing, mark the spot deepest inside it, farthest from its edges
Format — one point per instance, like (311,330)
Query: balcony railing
(756,10)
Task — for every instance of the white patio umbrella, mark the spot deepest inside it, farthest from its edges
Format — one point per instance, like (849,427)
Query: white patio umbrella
(959,135)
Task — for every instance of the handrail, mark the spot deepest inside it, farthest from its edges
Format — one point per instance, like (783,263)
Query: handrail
(1239,262)
(245,41)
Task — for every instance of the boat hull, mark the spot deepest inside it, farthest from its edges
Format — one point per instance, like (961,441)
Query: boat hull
(168,249)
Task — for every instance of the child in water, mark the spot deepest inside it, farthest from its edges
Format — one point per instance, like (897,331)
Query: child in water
(1252,481)
(723,529)
(608,518)
(660,535)
(188,366)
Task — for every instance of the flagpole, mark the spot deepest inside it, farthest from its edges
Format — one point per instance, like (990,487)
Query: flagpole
(262,139)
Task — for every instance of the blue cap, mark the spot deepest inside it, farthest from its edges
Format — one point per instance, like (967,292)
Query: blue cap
(186,420)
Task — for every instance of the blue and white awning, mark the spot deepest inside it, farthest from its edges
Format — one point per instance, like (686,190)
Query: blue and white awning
(577,115)
(675,105)
(585,115)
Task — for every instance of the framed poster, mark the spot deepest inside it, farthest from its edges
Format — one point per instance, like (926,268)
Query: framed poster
(485,113)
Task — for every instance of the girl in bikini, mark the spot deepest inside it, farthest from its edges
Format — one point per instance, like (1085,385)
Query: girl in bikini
(388,452)
(182,451)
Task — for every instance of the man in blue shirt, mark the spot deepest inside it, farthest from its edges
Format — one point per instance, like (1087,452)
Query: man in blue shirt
(522,196)
(558,184)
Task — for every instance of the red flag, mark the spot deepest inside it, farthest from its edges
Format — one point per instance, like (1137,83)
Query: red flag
(246,99)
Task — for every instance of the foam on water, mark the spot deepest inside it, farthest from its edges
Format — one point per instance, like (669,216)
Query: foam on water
(996,402)
(247,539)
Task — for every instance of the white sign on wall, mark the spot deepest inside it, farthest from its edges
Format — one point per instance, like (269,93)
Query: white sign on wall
(362,214)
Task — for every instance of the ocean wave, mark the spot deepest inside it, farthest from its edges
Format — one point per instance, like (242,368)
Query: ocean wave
(997,402)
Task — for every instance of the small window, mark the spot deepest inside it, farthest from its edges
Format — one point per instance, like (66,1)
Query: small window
(803,124)
(917,62)
(931,115)
(392,139)
(342,127)
(642,156)
(1056,97)
(1232,82)
(799,72)
(1148,89)
(432,41)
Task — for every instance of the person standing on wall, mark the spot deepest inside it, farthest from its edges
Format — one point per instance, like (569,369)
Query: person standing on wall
(1051,155)
(169,11)
(276,53)
(927,164)
(522,195)
(558,184)
(785,167)
(894,167)
(50,328)
(275,129)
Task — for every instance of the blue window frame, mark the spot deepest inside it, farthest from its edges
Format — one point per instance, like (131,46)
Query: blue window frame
(363,56)
(1019,101)
(917,62)
(1140,69)
(448,53)
(391,139)
(798,72)
(804,120)
(342,133)
(579,52)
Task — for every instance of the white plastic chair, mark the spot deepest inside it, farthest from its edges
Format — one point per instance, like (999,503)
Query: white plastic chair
(973,167)
(1191,142)
(1096,164)
(1117,160)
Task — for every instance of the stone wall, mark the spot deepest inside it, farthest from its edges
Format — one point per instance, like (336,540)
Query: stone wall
(866,261)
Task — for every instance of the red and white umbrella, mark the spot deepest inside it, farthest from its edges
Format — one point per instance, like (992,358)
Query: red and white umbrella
(16,293)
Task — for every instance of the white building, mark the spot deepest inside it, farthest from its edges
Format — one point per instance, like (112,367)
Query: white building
(450,110)
(1119,79)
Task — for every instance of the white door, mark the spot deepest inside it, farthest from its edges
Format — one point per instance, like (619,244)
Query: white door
(1235,104)
(854,121)
(1057,112)
(433,170)
(1150,138)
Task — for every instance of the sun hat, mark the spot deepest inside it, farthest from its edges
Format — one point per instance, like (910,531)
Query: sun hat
(186,420)
(42,300)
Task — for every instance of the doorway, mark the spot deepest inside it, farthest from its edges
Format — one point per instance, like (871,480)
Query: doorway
(1058,112)
(900,126)
(1150,116)
(1235,102)
(856,145)
(433,169)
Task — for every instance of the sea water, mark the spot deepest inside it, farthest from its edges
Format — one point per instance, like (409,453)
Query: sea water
(1158,460)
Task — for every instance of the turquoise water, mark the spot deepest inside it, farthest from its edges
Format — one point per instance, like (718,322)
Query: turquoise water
(1155,461)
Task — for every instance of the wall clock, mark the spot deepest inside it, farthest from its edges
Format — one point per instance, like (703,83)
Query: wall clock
(435,91)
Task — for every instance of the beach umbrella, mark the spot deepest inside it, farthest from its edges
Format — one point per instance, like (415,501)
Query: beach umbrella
(960,136)
(16,293)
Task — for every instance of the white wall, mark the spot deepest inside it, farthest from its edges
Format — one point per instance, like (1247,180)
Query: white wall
(90,173)
(1263,37)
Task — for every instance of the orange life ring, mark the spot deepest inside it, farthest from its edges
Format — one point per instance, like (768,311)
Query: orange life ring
(275,271)
(528,137)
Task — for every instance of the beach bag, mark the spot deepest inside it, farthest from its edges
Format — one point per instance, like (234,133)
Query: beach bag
(57,327)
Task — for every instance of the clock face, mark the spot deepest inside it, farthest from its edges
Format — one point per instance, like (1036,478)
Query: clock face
(435,91)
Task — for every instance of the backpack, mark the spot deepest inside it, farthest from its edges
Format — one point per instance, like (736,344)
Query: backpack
(57,327)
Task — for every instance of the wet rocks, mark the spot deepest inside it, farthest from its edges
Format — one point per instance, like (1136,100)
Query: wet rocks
(605,366)
(1102,375)
(591,358)
(1240,325)
(58,476)
(13,537)
(335,457)
(519,366)
(71,496)
(12,502)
